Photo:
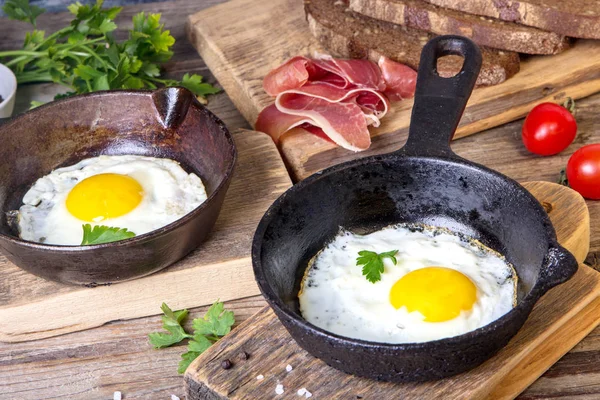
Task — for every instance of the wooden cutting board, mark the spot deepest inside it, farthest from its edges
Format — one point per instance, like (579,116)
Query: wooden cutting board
(563,317)
(242,40)
(33,308)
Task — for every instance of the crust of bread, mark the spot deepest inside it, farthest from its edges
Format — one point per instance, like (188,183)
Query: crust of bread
(346,34)
(484,31)
(580,19)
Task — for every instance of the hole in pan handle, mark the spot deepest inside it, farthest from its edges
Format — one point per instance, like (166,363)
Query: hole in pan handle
(440,102)
(559,266)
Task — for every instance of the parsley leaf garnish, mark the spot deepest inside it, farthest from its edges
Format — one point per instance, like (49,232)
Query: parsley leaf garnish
(104,234)
(172,321)
(215,324)
(373,263)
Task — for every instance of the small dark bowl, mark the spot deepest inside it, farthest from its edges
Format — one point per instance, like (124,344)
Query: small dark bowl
(167,123)
(424,182)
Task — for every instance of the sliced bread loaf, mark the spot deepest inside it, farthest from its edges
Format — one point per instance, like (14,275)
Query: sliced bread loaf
(483,30)
(579,19)
(351,35)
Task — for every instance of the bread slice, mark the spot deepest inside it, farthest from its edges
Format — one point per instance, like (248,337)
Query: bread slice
(350,35)
(579,19)
(483,30)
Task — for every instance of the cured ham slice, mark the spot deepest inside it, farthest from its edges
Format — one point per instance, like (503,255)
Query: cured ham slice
(339,73)
(400,80)
(337,99)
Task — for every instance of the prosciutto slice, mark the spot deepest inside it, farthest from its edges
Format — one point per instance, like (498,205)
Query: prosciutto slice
(401,80)
(337,99)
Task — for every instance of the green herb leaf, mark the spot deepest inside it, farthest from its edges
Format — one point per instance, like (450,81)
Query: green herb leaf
(34,104)
(194,84)
(186,360)
(373,263)
(172,321)
(21,10)
(104,234)
(216,322)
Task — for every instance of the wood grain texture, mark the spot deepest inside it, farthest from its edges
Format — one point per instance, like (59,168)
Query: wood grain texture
(241,47)
(559,320)
(219,269)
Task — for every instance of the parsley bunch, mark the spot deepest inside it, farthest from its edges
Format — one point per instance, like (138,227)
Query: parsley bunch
(85,56)
(215,324)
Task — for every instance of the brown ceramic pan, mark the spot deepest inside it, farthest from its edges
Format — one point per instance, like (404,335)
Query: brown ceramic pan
(167,123)
(424,182)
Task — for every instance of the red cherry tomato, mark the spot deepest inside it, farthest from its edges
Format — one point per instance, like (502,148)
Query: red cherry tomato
(548,129)
(583,171)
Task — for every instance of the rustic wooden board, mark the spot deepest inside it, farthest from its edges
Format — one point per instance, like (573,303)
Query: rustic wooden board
(33,308)
(561,318)
(242,40)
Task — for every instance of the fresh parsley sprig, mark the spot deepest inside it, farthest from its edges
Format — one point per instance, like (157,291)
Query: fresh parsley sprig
(104,234)
(21,10)
(85,56)
(373,263)
(215,324)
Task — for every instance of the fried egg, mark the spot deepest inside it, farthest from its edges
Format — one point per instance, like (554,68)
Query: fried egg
(442,285)
(138,193)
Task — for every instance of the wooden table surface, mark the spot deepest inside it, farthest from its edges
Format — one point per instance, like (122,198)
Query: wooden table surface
(117,357)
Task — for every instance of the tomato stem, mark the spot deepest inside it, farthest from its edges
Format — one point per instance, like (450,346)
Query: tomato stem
(569,104)
(562,179)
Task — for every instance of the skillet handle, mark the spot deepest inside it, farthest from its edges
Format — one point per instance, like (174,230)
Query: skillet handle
(440,102)
(559,266)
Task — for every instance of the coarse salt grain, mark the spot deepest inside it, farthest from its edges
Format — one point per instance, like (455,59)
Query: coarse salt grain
(260,377)
(117,396)
(279,389)
(307,394)
(301,392)
(289,368)
(173,397)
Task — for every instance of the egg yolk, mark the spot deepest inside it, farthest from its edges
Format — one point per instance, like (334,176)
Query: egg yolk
(104,196)
(438,293)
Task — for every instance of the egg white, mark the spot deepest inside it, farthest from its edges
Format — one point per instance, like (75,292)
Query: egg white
(169,194)
(336,297)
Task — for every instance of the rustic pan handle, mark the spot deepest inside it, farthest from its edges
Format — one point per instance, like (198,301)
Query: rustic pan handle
(440,102)
(172,105)
(558,267)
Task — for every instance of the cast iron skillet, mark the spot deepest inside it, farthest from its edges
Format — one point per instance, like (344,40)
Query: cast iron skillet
(167,123)
(423,182)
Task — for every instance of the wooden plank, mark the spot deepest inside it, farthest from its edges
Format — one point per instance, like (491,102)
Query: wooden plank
(559,320)
(241,47)
(32,308)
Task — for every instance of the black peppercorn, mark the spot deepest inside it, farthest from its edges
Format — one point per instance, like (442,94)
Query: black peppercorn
(244,356)
(226,364)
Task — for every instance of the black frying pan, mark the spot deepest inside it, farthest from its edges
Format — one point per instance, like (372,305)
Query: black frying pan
(423,182)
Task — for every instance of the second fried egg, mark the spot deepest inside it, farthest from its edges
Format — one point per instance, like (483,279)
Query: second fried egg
(442,285)
(137,193)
